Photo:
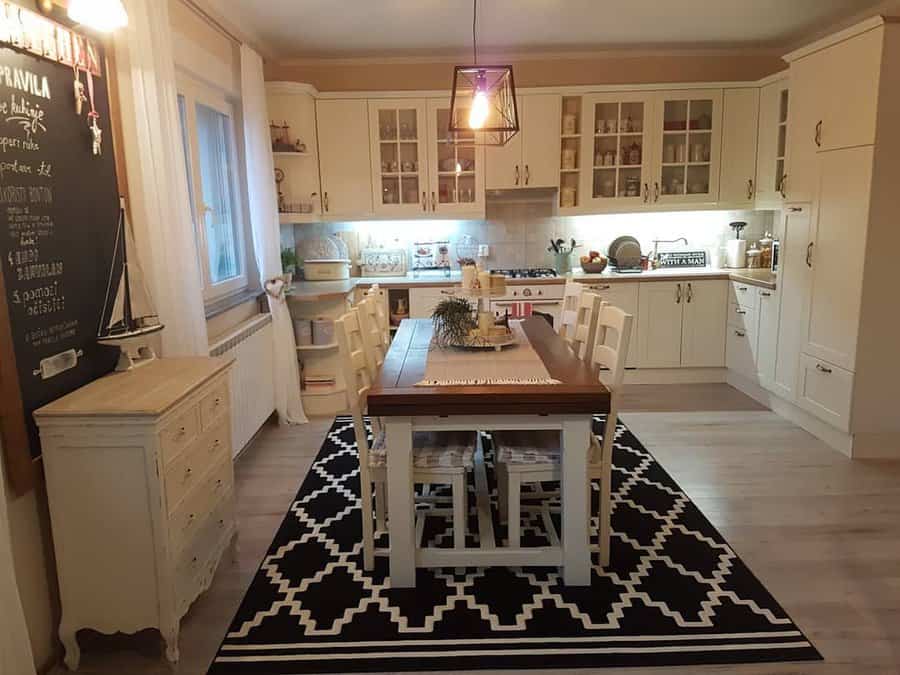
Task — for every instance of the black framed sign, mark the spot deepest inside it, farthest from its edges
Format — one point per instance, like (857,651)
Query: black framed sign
(59,209)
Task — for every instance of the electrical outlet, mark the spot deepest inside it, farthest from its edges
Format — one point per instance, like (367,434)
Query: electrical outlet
(484,250)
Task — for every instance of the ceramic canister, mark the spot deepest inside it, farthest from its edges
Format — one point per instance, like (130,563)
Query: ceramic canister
(322,331)
(303,331)
(468,276)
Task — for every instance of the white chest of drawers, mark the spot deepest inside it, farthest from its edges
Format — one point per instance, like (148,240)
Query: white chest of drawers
(140,484)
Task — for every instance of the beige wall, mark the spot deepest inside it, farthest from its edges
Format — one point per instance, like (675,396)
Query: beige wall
(706,66)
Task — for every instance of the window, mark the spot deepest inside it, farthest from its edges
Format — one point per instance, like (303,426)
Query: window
(210,151)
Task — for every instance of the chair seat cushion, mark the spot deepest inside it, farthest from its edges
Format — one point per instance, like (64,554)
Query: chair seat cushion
(527,447)
(432,450)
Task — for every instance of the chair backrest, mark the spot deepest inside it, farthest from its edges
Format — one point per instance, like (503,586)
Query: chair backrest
(382,315)
(371,333)
(612,357)
(357,380)
(580,336)
(568,316)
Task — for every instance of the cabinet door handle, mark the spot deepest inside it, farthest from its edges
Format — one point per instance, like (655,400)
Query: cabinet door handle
(818,136)
(678,294)
(646,192)
(325,201)
(527,174)
(740,311)
(740,333)
(602,287)
(690,292)
(781,186)
(796,209)
(823,369)
(750,189)
(424,201)
(809,251)
(656,192)
(743,289)
(433,202)
(517,175)
(765,294)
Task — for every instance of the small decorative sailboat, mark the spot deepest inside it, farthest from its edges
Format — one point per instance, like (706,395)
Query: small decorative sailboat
(129,314)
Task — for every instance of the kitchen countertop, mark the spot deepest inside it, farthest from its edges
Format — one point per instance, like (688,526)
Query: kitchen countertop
(311,291)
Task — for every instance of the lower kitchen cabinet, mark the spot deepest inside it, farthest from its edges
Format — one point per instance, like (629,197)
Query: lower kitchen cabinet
(826,391)
(682,324)
(703,324)
(625,297)
(752,333)
(769,305)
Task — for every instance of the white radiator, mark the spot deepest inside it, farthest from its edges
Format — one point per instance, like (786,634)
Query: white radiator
(252,377)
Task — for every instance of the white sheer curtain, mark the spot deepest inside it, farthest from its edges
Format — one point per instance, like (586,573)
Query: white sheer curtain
(15,645)
(266,232)
(157,176)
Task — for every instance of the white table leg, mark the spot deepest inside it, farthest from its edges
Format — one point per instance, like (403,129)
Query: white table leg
(401,523)
(575,439)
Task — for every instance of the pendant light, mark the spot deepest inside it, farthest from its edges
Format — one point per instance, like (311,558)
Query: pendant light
(101,15)
(483,103)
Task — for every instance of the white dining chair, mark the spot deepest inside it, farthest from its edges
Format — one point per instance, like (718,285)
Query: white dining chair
(571,300)
(580,334)
(371,333)
(382,314)
(439,458)
(534,456)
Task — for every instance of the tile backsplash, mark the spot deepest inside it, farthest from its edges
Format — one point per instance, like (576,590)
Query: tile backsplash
(518,230)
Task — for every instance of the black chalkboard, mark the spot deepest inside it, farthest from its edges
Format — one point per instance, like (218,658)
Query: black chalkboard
(58,214)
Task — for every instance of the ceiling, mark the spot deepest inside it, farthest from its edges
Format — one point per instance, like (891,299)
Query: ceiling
(296,29)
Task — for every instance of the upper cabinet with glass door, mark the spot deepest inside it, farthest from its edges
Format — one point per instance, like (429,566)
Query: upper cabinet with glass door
(772,144)
(617,144)
(399,149)
(455,165)
(687,127)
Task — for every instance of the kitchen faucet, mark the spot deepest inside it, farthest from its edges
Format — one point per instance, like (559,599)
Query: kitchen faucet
(657,242)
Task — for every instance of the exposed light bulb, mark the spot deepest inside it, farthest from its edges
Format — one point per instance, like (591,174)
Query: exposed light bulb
(480,108)
(101,15)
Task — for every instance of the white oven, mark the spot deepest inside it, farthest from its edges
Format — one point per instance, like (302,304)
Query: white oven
(522,301)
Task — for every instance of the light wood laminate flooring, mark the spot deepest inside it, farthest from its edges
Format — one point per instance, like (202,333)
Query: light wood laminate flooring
(821,532)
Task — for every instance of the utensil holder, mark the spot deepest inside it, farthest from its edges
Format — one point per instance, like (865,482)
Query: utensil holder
(562,263)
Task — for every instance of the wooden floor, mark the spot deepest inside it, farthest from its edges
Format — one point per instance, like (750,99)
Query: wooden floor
(821,532)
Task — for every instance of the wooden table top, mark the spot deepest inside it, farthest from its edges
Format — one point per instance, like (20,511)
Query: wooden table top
(395,393)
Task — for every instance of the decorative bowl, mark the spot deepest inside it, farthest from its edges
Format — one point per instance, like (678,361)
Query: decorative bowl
(593,268)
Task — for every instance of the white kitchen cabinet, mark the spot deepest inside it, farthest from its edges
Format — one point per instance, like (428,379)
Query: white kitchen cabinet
(810,90)
(837,253)
(687,134)
(455,165)
(682,324)
(617,146)
(571,160)
(826,391)
(703,325)
(794,281)
(741,343)
(767,348)
(853,69)
(740,124)
(422,301)
(659,324)
(397,131)
(344,163)
(774,100)
(531,157)
(625,296)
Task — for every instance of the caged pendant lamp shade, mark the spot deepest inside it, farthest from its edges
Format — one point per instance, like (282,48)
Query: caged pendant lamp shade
(483,102)
(101,15)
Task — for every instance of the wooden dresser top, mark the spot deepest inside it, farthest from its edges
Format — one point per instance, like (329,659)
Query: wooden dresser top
(148,390)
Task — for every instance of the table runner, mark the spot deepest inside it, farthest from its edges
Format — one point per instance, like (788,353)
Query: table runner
(518,364)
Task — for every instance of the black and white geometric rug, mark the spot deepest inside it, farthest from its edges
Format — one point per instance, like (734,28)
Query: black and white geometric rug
(675,592)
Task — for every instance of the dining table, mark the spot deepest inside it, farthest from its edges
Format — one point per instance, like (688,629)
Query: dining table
(566,403)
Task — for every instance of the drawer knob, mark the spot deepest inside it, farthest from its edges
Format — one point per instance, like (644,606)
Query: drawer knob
(188,472)
(742,288)
(740,333)
(823,369)
(182,431)
(765,294)
(741,311)
(219,484)
(217,401)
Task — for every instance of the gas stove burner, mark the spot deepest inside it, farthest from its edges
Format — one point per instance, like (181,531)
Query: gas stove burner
(527,273)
